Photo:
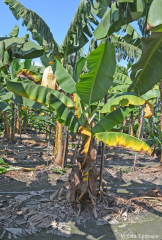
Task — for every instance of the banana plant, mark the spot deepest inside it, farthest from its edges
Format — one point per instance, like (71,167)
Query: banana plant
(78,34)
(75,111)
(13,102)
(17,47)
(119,14)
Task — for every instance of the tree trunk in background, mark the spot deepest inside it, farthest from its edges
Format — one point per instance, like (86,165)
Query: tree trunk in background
(139,134)
(18,121)
(160,88)
(65,150)
(6,127)
(155,115)
(131,124)
(58,144)
(12,129)
(124,124)
(139,121)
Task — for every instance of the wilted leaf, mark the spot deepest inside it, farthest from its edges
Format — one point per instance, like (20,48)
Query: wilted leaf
(148,110)
(120,139)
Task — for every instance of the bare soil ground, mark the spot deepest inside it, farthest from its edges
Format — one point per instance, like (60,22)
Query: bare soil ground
(27,210)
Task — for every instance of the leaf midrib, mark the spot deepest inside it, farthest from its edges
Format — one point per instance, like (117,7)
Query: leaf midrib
(96,75)
(146,63)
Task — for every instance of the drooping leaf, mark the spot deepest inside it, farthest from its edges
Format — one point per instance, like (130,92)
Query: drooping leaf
(111,120)
(93,86)
(37,93)
(130,50)
(35,24)
(26,102)
(79,28)
(78,107)
(31,75)
(116,139)
(99,7)
(123,101)
(147,71)
(4,106)
(64,79)
(19,48)
(122,77)
(23,48)
(66,115)
(119,15)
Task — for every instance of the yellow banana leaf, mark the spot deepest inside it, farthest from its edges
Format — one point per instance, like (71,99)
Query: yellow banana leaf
(84,184)
(85,131)
(115,139)
(24,73)
(148,110)
(78,108)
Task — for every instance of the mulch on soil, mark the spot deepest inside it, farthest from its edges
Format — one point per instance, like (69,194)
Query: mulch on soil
(37,211)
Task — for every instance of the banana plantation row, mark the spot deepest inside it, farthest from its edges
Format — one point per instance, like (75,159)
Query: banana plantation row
(87,95)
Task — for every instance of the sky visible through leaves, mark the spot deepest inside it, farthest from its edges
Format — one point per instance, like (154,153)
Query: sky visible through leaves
(57,14)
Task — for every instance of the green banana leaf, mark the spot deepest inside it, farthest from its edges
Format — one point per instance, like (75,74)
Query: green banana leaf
(35,24)
(23,48)
(19,48)
(80,27)
(15,31)
(99,7)
(130,50)
(147,71)
(151,94)
(3,169)
(37,93)
(4,106)
(122,77)
(66,115)
(154,18)
(26,102)
(119,15)
(132,34)
(26,64)
(111,120)
(19,100)
(120,88)
(122,101)
(116,139)
(125,1)
(79,67)
(64,79)
(93,86)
